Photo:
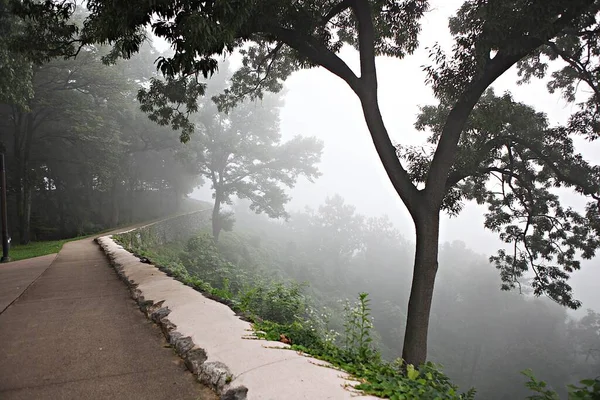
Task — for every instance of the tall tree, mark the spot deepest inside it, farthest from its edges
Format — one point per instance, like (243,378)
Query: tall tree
(67,107)
(241,154)
(490,37)
(81,155)
(509,158)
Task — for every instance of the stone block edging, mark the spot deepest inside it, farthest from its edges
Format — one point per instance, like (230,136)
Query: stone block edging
(213,374)
(209,337)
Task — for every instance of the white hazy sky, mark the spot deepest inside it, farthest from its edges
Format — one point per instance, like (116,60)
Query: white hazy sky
(320,104)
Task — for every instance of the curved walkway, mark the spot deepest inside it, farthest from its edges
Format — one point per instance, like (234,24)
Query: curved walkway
(70,330)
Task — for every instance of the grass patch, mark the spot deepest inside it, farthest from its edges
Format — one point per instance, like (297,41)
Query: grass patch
(36,249)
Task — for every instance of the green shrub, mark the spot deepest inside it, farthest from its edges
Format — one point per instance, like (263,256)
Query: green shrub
(357,356)
(279,308)
(588,389)
(275,302)
(357,330)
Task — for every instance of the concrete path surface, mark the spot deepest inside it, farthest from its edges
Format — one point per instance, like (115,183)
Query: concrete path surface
(16,276)
(75,333)
(238,368)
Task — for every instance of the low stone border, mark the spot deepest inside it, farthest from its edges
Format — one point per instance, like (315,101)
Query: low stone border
(209,337)
(213,374)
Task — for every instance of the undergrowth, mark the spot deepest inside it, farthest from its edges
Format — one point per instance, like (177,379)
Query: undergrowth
(588,389)
(279,310)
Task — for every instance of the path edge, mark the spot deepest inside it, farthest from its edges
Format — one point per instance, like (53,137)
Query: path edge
(215,375)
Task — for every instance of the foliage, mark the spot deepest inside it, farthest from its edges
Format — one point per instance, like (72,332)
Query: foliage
(393,380)
(482,336)
(200,265)
(81,155)
(31,33)
(241,154)
(278,37)
(510,159)
(357,327)
(286,36)
(278,302)
(278,309)
(588,389)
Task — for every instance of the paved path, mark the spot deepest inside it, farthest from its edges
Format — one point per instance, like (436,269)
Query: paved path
(15,277)
(73,332)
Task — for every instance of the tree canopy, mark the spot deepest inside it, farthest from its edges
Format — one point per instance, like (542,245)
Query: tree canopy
(511,159)
(241,154)
(81,155)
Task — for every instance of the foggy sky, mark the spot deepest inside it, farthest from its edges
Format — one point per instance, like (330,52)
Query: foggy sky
(320,104)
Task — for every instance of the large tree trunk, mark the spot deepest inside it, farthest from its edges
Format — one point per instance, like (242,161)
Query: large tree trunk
(216,218)
(421,293)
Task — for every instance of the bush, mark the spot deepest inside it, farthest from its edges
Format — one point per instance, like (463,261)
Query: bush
(276,302)
(393,380)
(279,309)
(588,389)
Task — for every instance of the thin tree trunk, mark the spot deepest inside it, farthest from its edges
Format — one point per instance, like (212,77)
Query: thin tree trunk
(216,218)
(114,217)
(26,217)
(19,195)
(62,223)
(421,293)
(130,206)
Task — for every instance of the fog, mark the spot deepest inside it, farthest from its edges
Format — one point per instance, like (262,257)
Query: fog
(97,147)
(320,104)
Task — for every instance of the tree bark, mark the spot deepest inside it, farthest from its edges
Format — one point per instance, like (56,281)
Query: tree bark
(62,219)
(421,294)
(26,214)
(115,206)
(216,220)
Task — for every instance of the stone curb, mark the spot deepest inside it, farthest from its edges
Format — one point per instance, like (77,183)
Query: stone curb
(213,374)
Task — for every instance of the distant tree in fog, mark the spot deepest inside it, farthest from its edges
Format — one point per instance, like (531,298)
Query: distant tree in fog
(241,154)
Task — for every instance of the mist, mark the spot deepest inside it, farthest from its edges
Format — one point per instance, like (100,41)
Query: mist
(320,104)
(301,207)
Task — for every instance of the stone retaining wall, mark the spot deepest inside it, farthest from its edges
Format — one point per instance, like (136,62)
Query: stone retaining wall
(217,346)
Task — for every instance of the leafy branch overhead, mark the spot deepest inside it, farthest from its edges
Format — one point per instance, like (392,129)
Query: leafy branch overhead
(294,36)
(171,102)
(512,160)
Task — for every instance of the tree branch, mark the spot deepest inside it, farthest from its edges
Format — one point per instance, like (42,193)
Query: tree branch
(446,150)
(335,10)
(578,66)
(366,44)
(318,54)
